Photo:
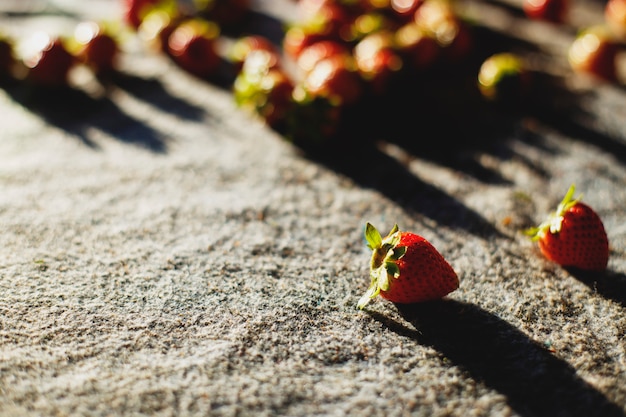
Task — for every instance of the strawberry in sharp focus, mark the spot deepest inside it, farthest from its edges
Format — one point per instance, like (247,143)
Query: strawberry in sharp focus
(573,236)
(405,268)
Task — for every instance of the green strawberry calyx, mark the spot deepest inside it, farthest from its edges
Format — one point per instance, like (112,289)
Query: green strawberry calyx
(383,264)
(555,220)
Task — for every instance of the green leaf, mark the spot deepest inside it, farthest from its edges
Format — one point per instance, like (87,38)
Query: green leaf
(393,238)
(569,194)
(397,253)
(383,280)
(567,202)
(371,292)
(391,268)
(372,236)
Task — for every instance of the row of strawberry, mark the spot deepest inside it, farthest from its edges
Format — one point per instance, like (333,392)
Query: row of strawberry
(351,52)
(346,54)
(405,268)
(47,59)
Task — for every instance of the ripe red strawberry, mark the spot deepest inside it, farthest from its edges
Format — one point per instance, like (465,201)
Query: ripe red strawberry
(573,236)
(317,51)
(376,60)
(336,79)
(418,46)
(554,11)
(158,24)
(615,17)
(99,48)
(264,88)
(594,52)
(192,45)
(244,45)
(503,78)
(406,268)
(133,11)
(442,20)
(50,62)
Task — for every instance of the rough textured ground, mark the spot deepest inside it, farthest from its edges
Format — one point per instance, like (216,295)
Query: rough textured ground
(163,254)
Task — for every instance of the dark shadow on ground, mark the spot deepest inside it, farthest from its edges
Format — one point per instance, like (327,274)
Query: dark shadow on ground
(439,116)
(564,112)
(370,167)
(76,112)
(610,285)
(535,382)
(153,92)
(259,23)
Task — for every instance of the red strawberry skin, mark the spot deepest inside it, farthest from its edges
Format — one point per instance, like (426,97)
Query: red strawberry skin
(581,243)
(405,268)
(424,273)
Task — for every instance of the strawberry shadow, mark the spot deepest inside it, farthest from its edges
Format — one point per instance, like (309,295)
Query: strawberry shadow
(610,285)
(78,113)
(440,115)
(534,381)
(370,167)
(257,22)
(152,91)
(603,129)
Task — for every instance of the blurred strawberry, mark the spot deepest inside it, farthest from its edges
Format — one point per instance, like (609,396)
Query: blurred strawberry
(376,60)
(314,53)
(158,24)
(334,19)
(48,61)
(368,23)
(134,11)
(405,9)
(327,21)
(615,17)
(243,46)
(192,45)
(313,121)
(594,52)
(98,48)
(503,78)
(418,47)
(296,38)
(440,19)
(549,10)
(335,79)
(264,88)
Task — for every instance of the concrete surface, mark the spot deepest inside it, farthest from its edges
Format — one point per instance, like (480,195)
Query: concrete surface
(164,254)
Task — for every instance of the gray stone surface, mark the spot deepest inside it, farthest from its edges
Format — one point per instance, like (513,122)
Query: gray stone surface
(164,254)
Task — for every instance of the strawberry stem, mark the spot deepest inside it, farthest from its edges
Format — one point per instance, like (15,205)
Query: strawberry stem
(554,221)
(383,267)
